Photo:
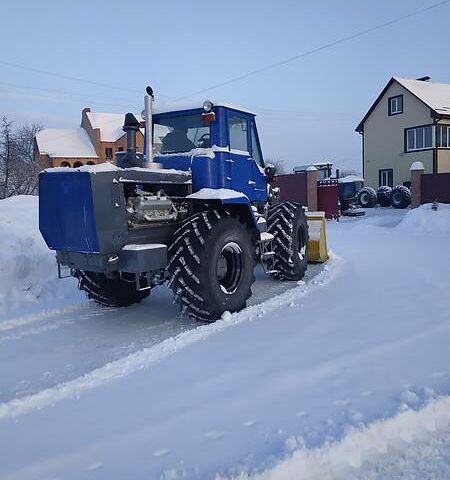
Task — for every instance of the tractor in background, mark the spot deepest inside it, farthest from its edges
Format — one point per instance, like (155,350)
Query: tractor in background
(196,215)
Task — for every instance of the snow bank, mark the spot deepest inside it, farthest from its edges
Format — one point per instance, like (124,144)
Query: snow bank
(425,219)
(361,448)
(27,267)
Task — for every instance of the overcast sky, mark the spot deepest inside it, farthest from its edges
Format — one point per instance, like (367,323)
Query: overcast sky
(307,109)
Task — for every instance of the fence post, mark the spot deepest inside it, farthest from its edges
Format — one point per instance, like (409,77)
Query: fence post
(416,170)
(311,187)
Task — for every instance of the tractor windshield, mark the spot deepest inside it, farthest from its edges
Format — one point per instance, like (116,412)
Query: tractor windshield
(181,133)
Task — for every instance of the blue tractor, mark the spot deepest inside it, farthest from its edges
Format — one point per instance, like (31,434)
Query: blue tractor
(195,211)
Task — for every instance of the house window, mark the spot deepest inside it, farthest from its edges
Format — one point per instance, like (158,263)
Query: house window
(419,138)
(395,105)
(108,152)
(443,136)
(238,133)
(385,178)
(120,149)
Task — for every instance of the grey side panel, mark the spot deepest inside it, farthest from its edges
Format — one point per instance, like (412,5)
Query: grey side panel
(110,212)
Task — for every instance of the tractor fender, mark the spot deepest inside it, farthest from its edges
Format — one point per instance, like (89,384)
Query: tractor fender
(229,200)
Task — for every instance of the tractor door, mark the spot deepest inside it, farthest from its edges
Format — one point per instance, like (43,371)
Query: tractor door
(241,169)
(247,166)
(259,177)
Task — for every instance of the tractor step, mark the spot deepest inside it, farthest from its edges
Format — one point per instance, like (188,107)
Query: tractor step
(267,255)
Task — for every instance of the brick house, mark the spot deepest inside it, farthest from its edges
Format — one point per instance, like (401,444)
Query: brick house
(98,138)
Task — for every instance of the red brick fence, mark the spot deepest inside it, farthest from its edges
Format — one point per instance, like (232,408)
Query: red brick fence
(304,188)
(428,188)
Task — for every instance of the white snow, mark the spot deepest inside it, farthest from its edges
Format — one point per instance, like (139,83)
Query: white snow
(365,448)
(426,220)
(350,179)
(435,95)
(216,194)
(28,272)
(65,143)
(143,246)
(168,107)
(344,375)
(417,166)
(110,124)
(100,167)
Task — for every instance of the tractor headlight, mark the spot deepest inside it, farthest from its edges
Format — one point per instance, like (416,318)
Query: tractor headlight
(208,105)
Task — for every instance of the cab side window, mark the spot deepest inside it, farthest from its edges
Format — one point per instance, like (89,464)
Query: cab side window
(237,127)
(256,152)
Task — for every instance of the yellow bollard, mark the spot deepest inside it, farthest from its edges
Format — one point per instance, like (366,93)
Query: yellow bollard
(317,245)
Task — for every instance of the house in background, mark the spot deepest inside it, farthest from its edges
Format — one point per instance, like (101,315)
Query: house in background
(408,122)
(98,138)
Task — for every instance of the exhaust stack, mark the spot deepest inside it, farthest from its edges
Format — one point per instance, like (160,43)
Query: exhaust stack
(148,113)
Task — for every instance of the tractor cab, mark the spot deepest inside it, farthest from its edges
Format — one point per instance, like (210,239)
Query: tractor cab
(218,144)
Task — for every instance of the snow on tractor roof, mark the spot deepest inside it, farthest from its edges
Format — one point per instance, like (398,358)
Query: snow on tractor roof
(181,106)
(350,179)
(65,142)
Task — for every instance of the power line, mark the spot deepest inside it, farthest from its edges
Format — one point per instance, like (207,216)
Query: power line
(75,79)
(66,77)
(315,50)
(62,92)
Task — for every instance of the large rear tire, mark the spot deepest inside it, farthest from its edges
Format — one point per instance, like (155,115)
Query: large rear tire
(287,223)
(211,263)
(110,292)
(367,197)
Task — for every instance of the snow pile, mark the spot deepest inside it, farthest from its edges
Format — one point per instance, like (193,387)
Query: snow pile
(360,448)
(27,267)
(426,220)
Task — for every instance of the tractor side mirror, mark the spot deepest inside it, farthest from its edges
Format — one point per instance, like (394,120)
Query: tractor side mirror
(270,171)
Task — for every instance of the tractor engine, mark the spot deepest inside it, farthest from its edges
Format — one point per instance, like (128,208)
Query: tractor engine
(146,207)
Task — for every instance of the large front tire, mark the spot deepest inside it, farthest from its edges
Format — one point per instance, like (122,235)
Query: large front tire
(287,223)
(211,263)
(111,291)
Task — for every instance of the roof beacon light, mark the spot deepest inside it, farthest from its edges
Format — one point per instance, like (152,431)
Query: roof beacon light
(208,105)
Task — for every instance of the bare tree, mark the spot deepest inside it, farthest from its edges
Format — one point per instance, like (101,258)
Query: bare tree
(278,164)
(18,168)
(7,153)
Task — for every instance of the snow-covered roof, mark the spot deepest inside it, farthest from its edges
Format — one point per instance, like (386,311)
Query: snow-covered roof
(110,125)
(65,143)
(350,179)
(177,106)
(435,95)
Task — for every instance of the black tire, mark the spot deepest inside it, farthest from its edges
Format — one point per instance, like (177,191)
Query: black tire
(400,196)
(367,197)
(287,223)
(211,263)
(384,196)
(110,292)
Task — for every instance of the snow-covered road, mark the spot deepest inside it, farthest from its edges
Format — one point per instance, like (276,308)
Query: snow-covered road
(61,344)
(141,393)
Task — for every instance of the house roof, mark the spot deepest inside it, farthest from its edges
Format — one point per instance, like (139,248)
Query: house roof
(65,143)
(435,95)
(110,125)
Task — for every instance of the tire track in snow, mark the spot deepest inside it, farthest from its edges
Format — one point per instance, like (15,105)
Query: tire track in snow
(31,318)
(149,356)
